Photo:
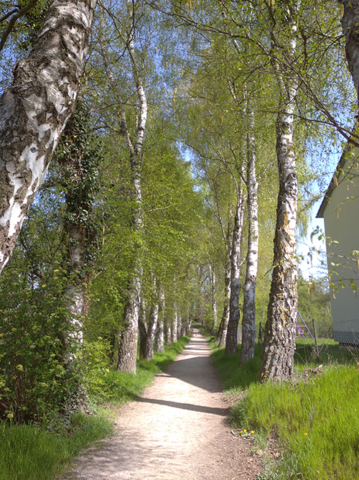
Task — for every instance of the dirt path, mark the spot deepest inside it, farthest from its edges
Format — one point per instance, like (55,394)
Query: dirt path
(176,431)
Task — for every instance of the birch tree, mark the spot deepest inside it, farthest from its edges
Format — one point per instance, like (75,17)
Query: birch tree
(35,109)
(277,360)
(249,289)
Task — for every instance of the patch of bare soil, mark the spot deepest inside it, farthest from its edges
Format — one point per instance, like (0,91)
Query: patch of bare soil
(176,431)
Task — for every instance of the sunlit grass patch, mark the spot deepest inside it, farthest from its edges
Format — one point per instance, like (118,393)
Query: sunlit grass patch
(316,421)
(32,453)
(314,416)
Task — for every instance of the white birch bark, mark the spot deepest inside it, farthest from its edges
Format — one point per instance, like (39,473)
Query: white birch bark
(277,360)
(142,324)
(214,301)
(234,315)
(222,332)
(179,327)
(35,109)
(160,346)
(128,346)
(152,323)
(249,289)
(168,335)
(174,327)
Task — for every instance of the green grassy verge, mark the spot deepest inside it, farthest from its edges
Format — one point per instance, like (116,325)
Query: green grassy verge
(314,417)
(32,453)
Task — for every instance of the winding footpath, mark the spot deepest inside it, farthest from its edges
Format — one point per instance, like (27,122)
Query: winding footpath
(175,431)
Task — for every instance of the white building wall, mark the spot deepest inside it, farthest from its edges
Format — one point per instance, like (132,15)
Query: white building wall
(341,218)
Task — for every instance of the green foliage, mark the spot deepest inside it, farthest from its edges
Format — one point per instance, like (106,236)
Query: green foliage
(314,302)
(37,342)
(32,453)
(77,175)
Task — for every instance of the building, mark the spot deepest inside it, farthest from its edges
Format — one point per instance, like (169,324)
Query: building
(340,210)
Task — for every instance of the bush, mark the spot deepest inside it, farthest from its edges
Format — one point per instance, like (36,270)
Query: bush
(38,347)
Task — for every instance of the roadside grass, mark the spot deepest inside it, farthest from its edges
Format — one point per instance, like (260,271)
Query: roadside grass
(30,452)
(314,417)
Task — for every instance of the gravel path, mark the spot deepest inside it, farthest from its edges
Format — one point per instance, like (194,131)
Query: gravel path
(175,431)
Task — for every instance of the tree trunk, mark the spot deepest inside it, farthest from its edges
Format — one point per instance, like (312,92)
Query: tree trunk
(142,323)
(160,346)
(188,322)
(223,327)
(128,338)
(249,290)
(174,327)
(234,315)
(214,301)
(168,336)
(76,292)
(128,345)
(277,360)
(179,327)
(152,325)
(350,23)
(35,110)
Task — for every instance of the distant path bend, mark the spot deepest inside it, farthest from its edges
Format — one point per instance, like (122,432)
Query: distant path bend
(175,431)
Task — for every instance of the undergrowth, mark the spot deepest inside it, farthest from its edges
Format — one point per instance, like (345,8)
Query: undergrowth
(314,416)
(32,452)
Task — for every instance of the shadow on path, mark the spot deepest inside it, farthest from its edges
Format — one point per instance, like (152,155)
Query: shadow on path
(223,412)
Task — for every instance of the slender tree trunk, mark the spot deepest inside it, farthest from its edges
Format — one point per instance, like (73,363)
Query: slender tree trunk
(249,290)
(174,327)
(128,341)
(222,332)
(277,358)
(179,327)
(160,347)
(143,327)
(188,322)
(214,301)
(234,315)
(152,324)
(35,110)
(168,336)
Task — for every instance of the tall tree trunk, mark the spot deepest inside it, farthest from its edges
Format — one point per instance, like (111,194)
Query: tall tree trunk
(234,315)
(152,324)
(214,301)
(223,327)
(188,322)
(168,335)
(249,290)
(35,110)
(128,341)
(160,347)
(350,21)
(277,360)
(142,323)
(179,327)
(128,338)
(174,327)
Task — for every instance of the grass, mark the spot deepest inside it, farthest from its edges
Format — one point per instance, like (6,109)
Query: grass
(314,417)
(32,453)
(29,452)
